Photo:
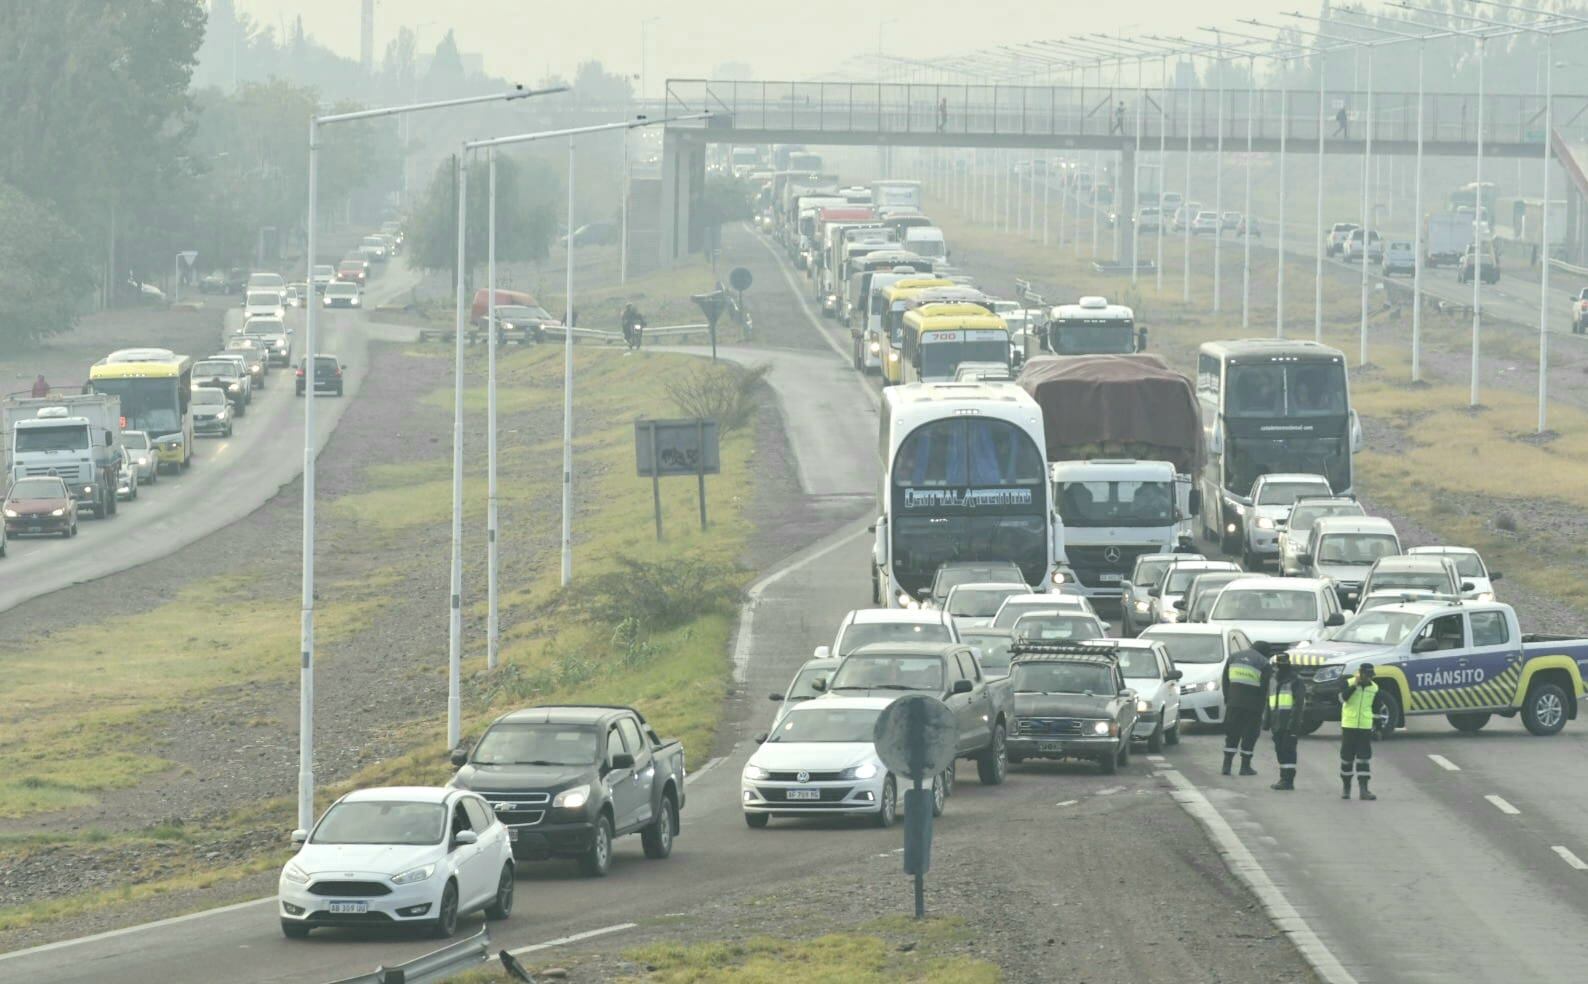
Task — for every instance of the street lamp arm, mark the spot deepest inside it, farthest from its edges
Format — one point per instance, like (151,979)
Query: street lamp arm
(512,95)
(579,130)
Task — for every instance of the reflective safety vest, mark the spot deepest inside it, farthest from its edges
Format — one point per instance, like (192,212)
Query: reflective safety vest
(1282,699)
(1245,673)
(1356,711)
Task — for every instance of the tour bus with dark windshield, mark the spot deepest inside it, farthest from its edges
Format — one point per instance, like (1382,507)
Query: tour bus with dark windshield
(964,479)
(1269,406)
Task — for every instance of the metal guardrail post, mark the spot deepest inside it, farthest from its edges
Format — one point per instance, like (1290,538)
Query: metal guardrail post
(432,967)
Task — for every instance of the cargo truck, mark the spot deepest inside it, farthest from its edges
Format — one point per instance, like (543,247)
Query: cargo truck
(76,436)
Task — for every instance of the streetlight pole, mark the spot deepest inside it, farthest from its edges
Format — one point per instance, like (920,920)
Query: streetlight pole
(492,530)
(310,342)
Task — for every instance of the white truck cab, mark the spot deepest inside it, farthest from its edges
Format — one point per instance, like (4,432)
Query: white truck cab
(1116,510)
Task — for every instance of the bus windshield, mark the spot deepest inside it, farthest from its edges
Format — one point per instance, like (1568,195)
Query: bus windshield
(151,405)
(1115,336)
(943,351)
(1286,390)
(1117,504)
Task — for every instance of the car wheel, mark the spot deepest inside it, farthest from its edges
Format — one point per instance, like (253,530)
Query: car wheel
(228,430)
(949,781)
(502,906)
(1306,727)
(1251,561)
(294,930)
(1544,710)
(597,860)
(1155,740)
(1172,736)
(1109,764)
(446,921)
(939,796)
(657,839)
(338,389)
(74,529)
(1386,714)
(888,809)
(757,821)
(1124,753)
(1470,722)
(993,764)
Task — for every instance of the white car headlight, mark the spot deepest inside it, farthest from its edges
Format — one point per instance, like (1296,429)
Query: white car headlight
(1144,706)
(1264,523)
(1171,615)
(413,875)
(754,772)
(11,514)
(893,356)
(1142,607)
(875,347)
(59,512)
(295,874)
(233,388)
(1485,596)
(1102,727)
(572,799)
(866,771)
(1328,673)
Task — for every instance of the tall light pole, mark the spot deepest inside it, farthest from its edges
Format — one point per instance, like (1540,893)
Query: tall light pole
(310,343)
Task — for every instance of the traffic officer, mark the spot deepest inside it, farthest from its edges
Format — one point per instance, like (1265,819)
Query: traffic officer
(1282,716)
(1356,730)
(1245,683)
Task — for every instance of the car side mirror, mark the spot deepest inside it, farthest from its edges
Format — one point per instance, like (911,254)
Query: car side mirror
(819,684)
(963,686)
(460,755)
(760,739)
(1305,558)
(1425,645)
(1466,585)
(1126,692)
(774,697)
(1154,593)
(1177,674)
(1495,575)
(622,760)
(1179,603)
(300,837)
(1334,619)
(464,838)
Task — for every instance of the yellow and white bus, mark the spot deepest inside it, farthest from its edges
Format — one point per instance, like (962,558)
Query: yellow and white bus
(154,386)
(891,336)
(938,337)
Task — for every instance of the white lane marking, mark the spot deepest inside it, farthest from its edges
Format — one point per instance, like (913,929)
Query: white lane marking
(1156,758)
(1567,856)
(575,938)
(746,635)
(1502,805)
(129,930)
(1445,763)
(1067,803)
(1244,865)
(710,764)
(1111,790)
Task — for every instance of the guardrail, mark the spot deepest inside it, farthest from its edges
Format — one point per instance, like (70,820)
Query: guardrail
(1565,267)
(444,333)
(433,967)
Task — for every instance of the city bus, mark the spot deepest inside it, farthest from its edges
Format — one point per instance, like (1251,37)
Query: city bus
(940,336)
(1093,327)
(1270,406)
(891,335)
(963,479)
(154,386)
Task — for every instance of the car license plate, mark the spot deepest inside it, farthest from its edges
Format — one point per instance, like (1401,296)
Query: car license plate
(804,794)
(349,908)
(512,833)
(1110,578)
(1050,746)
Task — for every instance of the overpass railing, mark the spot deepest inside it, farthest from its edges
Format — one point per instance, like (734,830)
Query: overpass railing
(1060,111)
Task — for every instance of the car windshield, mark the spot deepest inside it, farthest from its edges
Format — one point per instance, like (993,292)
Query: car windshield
(1117,503)
(536,744)
(215,367)
(1410,580)
(28,489)
(67,437)
(524,312)
(135,440)
(351,266)
(1054,626)
(1139,664)
(1186,647)
(978,602)
(204,396)
(814,722)
(342,290)
(992,652)
(322,269)
(1467,564)
(263,298)
(859,634)
(1150,567)
(1380,627)
(1052,677)
(381,822)
(1011,611)
(1180,578)
(948,577)
(1358,549)
(1286,493)
(1303,516)
(885,672)
(1265,605)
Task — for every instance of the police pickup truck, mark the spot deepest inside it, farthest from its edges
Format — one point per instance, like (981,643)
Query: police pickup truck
(1467,661)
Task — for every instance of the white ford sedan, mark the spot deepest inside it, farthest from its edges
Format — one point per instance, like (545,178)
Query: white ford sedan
(396,856)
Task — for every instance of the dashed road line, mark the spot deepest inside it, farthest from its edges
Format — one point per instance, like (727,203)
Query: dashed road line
(1067,803)
(1156,758)
(1567,856)
(1110,790)
(1501,805)
(1445,763)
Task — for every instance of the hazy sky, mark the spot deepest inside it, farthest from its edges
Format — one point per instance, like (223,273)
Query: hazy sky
(791,39)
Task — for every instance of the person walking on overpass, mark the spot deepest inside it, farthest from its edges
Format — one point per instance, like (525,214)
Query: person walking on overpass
(1245,684)
(942,114)
(1119,119)
(1282,717)
(41,387)
(1356,731)
(1342,124)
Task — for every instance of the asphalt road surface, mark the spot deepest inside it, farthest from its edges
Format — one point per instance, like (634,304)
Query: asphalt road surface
(229,477)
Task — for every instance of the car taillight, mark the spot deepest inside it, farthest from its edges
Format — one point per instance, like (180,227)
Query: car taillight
(300,373)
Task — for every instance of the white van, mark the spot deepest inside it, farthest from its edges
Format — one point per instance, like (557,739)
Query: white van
(926,241)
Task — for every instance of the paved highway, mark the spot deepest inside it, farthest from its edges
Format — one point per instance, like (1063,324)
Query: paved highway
(229,478)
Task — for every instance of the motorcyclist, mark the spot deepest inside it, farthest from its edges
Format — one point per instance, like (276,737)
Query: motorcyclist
(633,327)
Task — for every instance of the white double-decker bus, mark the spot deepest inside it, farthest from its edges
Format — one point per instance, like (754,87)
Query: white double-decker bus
(963,478)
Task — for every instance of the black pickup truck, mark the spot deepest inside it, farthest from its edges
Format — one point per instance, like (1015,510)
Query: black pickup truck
(567,780)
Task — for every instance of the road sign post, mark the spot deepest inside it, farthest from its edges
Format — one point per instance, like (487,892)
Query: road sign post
(676,447)
(740,279)
(711,304)
(916,737)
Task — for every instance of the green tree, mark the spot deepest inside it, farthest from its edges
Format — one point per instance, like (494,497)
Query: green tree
(527,191)
(43,268)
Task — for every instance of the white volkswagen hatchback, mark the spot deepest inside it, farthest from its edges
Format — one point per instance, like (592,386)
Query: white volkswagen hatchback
(400,855)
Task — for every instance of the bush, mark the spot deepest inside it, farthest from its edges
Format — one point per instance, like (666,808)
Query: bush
(718,392)
(644,596)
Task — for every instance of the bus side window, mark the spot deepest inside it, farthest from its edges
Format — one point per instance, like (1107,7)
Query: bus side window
(1208,374)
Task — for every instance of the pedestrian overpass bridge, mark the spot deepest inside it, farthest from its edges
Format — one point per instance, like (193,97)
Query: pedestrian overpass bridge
(1114,119)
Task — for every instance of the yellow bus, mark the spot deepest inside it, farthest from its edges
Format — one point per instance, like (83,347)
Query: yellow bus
(154,386)
(939,337)
(894,297)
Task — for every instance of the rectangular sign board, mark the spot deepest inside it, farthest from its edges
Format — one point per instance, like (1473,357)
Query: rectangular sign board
(683,447)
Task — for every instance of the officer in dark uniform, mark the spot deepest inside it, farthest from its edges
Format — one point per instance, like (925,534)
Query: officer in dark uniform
(1357,694)
(1282,716)
(1245,686)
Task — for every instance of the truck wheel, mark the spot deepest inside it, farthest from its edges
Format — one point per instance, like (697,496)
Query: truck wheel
(888,809)
(1109,764)
(1470,722)
(993,764)
(1124,752)
(1155,740)
(658,837)
(1544,709)
(1386,715)
(1306,727)
(757,821)
(597,860)
(111,503)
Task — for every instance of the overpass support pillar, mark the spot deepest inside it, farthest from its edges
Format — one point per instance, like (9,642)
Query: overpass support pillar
(1125,206)
(683,187)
